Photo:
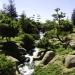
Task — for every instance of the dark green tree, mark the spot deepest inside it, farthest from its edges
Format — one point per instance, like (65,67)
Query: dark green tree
(29,27)
(28,42)
(7,31)
(11,10)
(73,17)
(49,25)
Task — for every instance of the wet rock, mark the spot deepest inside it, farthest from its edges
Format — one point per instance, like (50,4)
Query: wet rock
(69,61)
(39,57)
(22,50)
(48,57)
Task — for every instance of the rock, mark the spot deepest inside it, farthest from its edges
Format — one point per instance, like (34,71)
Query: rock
(69,61)
(47,57)
(12,59)
(22,50)
(72,44)
(39,57)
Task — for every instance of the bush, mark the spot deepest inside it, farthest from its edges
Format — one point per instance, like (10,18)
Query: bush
(28,42)
(44,43)
(29,27)
(7,31)
(36,36)
(6,66)
(50,34)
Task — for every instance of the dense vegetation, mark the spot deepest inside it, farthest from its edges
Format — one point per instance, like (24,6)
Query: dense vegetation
(19,33)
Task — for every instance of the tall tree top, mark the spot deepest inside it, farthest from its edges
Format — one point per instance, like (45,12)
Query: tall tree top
(10,9)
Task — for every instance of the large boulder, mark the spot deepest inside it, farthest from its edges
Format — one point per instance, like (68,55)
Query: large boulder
(69,61)
(48,57)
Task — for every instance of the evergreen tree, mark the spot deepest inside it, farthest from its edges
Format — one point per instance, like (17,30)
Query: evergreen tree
(11,10)
(73,17)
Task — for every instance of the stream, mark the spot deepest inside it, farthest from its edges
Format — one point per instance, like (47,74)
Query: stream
(27,68)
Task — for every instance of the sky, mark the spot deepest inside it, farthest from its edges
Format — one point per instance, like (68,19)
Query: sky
(44,8)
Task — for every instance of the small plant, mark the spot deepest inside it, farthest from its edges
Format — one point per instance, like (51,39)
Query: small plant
(6,66)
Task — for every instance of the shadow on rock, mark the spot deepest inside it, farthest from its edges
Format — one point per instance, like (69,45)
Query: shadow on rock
(10,48)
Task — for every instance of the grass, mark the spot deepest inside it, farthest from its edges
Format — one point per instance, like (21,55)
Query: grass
(56,66)
(50,69)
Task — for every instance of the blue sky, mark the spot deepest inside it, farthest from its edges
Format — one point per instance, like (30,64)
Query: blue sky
(45,8)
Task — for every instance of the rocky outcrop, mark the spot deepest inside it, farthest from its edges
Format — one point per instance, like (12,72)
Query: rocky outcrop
(48,57)
(12,49)
(69,61)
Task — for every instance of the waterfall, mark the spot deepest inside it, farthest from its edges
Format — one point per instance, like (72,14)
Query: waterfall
(27,68)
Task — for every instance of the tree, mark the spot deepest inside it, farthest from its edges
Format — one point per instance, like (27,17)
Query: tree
(11,10)
(7,31)
(73,17)
(44,43)
(58,16)
(63,28)
(49,25)
(29,27)
(50,34)
(28,42)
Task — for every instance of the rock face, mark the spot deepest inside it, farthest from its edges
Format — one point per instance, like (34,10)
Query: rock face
(47,57)
(70,61)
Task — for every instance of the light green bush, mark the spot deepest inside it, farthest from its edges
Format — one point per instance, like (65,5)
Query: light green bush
(6,66)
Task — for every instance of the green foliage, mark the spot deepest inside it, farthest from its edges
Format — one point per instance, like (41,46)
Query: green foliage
(6,66)
(30,27)
(7,31)
(73,17)
(10,10)
(63,51)
(58,15)
(28,42)
(44,43)
(50,34)
(51,69)
(49,25)
(35,36)
(65,26)
(39,25)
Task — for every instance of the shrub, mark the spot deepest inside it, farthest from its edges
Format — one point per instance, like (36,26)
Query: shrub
(28,42)
(6,66)
(50,34)
(7,31)
(44,43)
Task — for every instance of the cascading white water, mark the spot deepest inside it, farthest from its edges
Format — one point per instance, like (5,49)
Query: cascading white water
(27,68)
(41,35)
